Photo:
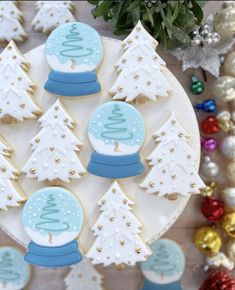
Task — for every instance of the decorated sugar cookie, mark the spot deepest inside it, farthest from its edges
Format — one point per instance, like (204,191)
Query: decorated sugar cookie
(16,88)
(55,148)
(73,51)
(165,267)
(53,219)
(84,275)
(116,132)
(52,14)
(117,232)
(14,271)
(173,163)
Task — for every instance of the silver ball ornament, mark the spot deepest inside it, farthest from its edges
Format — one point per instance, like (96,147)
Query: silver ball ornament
(223,89)
(224,115)
(227,147)
(228,195)
(229,64)
(208,39)
(209,168)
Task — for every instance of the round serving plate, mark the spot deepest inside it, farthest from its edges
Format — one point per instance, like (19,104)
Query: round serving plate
(156,214)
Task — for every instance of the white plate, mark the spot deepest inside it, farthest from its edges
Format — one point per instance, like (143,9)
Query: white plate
(156,214)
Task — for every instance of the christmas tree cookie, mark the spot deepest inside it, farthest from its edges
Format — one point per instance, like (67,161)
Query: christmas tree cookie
(84,275)
(52,14)
(74,52)
(173,163)
(117,232)
(14,271)
(10,23)
(116,132)
(10,192)
(165,267)
(54,156)
(53,219)
(16,88)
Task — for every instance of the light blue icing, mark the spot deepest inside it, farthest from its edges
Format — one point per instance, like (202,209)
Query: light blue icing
(53,210)
(167,259)
(75,41)
(117,122)
(13,268)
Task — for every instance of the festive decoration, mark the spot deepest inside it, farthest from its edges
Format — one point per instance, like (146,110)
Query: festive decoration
(229,224)
(53,219)
(229,64)
(197,87)
(227,147)
(164,267)
(208,106)
(16,88)
(208,191)
(230,172)
(210,125)
(212,208)
(84,276)
(209,144)
(54,148)
(173,163)
(219,260)
(225,121)
(11,23)
(231,249)
(73,51)
(219,280)
(228,196)
(117,231)
(14,271)
(208,241)
(116,132)
(209,168)
(52,14)
(223,89)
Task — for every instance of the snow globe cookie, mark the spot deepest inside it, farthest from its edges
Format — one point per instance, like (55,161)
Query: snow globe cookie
(14,271)
(165,267)
(73,51)
(53,219)
(116,132)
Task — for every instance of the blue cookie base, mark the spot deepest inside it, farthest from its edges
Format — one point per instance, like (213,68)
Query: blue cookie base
(115,166)
(53,257)
(151,286)
(72,84)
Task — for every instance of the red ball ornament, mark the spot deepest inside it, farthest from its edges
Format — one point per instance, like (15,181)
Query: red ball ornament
(219,280)
(212,209)
(210,125)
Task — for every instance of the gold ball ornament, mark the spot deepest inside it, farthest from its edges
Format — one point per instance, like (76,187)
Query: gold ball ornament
(224,21)
(208,241)
(223,89)
(228,224)
(231,249)
(230,172)
(229,64)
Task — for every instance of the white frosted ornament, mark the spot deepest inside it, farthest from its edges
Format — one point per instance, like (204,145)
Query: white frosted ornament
(225,21)
(219,260)
(227,147)
(228,196)
(209,168)
(223,89)
(231,249)
(229,64)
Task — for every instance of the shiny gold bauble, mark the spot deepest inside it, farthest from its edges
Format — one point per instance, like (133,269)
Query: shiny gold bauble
(208,191)
(228,224)
(231,249)
(208,241)
(230,172)
(229,64)
(225,21)
(223,89)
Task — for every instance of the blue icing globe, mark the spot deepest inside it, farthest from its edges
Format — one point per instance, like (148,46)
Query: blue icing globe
(14,271)
(52,217)
(116,128)
(166,264)
(74,47)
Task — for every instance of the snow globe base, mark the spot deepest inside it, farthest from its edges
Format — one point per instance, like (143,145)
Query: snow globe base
(151,286)
(53,257)
(115,166)
(72,84)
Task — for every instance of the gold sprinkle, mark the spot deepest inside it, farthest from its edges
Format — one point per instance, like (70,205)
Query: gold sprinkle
(8,103)
(136,77)
(161,182)
(57,160)
(72,172)
(159,160)
(138,251)
(63,136)
(32,171)
(99,250)
(193,185)
(173,176)
(140,58)
(111,218)
(155,58)
(22,106)
(124,60)
(10,197)
(138,29)
(180,134)
(163,171)
(122,243)
(129,41)
(66,120)
(37,140)
(3,169)
(151,183)
(9,47)
(103,201)
(100,227)
(114,190)
(52,149)
(163,133)
(156,193)
(56,108)
(14,56)
(120,89)
(128,224)
(124,201)
(173,122)
(172,149)
(149,83)
(136,37)
(189,156)
(51,14)
(19,78)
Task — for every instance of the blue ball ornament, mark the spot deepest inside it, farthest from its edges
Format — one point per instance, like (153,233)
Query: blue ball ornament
(208,106)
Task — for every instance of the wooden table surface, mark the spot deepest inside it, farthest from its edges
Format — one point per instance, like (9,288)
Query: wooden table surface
(181,232)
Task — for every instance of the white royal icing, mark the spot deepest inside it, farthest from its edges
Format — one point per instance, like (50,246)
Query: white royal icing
(16,88)
(173,163)
(10,18)
(52,14)
(54,148)
(117,231)
(84,275)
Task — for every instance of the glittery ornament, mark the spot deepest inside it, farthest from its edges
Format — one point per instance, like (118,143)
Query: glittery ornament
(228,224)
(225,21)
(218,280)
(209,144)
(219,260)
(225,122)
(208,191)
(223,89)
(229,64)
(197,86)
(231,249)
(227,147)
(228,195)
(212,208)
(209,168)
(210,125)
(208,106)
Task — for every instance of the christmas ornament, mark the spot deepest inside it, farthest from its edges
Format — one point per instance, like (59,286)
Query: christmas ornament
(228,195)
(219,280)
(210,125)
(208,191)
(228,224)
(223,89)
(231,249)
(208,106)
(209,168)
(225,21)
(219,260)
(209,144)
(225,122)
(227,147)
(212,208)
(208,241)
(197,86)
(230,172)
(229,64)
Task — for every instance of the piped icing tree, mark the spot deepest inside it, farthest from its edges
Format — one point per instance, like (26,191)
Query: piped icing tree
(84,275)
(173,163)
(55,148)
(11,194)
(140,70)
(52,14)
(16,88)
(117,232)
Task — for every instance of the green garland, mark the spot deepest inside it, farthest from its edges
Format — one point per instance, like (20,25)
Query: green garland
(167,21)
